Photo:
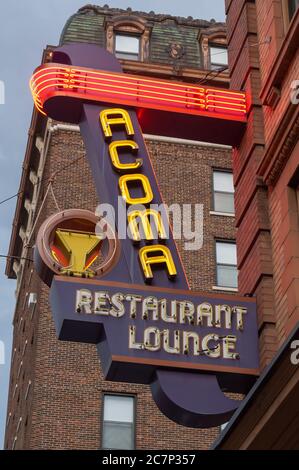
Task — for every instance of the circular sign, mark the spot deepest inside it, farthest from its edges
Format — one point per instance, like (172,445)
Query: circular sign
(75,242)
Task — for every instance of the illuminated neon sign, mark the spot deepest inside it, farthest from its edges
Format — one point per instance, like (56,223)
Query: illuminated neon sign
(90,85)
(188,346)
(201,113)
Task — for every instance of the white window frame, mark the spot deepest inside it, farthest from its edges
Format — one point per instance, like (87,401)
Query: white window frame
(215,211)
(214,65)
(120,54)
(122,395)
(218,286)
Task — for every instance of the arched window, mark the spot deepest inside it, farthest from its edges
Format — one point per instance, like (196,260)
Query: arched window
(127,37)
(214,48)
(218,56)
(127,46)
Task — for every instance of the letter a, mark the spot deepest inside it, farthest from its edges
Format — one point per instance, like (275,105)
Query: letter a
(115,117)
(156,254)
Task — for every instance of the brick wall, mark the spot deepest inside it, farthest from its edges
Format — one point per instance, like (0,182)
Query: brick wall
(285,239)
(266,210)
(252,216)
(63,406)
(282,117)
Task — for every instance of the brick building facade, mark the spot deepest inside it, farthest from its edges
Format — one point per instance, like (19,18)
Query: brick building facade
(56,390)
(264,60)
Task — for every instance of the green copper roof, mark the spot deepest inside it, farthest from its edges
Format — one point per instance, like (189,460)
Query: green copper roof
(84,28)
(88,25)
(163,35)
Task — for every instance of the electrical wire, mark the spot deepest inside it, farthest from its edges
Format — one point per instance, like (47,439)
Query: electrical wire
(11,197)
(51,178)
(266,41)
(16,257)
(216,71)
(222,69)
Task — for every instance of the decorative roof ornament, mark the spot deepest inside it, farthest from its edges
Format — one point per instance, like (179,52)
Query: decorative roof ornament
(176,50)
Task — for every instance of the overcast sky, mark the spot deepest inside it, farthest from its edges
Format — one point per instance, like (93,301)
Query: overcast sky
(26,28)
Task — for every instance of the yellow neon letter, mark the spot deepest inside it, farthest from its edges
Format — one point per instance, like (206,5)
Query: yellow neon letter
(145,219)
(156,254)
(124,190)
(115,117)
(113,151)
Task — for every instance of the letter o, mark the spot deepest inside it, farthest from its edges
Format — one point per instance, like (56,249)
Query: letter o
(125,192)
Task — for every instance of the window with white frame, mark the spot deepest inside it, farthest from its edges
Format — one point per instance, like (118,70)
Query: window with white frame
(118,422)
(127,47)
(218,57)
(223,192)
(226,262)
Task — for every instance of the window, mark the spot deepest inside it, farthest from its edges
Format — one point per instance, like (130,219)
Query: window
(127,47)
(223,192)
(32,303)
(226,260)
(223,426)
(218,57)
(8,419)
(32,298)
(292,7)
(14,442)
(118,422)
(27,389)
(289,8)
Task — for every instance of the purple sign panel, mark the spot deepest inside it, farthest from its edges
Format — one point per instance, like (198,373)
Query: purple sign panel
(156,327)
(149,328)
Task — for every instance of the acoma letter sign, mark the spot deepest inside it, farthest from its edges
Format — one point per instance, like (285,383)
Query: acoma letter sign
(130,296)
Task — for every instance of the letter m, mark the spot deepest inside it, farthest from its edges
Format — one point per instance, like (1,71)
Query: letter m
(149,220)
